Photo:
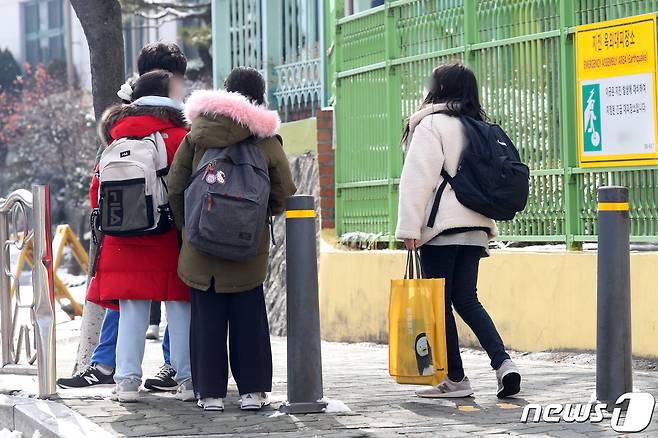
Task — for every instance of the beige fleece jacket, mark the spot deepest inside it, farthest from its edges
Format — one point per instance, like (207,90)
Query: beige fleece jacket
(435,142)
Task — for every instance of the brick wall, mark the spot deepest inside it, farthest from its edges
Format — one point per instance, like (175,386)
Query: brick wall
(326,153)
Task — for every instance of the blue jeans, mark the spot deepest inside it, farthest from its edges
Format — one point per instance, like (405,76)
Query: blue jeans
(133,322)
(105,352)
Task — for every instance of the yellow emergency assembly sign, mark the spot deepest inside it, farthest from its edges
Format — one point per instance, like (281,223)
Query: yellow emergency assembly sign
(616,77)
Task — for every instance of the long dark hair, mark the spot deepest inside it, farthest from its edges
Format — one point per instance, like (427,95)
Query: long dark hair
(454,85)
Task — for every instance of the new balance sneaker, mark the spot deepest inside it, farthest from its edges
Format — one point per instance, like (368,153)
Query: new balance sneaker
(163,379)
(447,389)
(211,404)
(153,332)
(185,391)
(126,391)
(509,379)
(254,401)
(88,376)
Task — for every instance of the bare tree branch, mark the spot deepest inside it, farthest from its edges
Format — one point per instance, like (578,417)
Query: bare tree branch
(159,5)
(175,4)
(172,9)
(169,12)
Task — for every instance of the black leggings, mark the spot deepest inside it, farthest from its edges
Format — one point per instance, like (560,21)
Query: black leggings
(459,266)
(243,314)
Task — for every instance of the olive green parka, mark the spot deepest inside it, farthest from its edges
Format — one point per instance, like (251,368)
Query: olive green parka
(220,119)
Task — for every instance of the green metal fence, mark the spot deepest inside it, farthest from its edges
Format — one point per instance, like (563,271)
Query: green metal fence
(523,54)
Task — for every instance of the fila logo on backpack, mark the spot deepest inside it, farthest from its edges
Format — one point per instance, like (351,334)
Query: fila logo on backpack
(491,179)
(226,201)
(132,197)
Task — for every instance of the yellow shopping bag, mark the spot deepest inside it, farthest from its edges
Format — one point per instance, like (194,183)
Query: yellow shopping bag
(416,327)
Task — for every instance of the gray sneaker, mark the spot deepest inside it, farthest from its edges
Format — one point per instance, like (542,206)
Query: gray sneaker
(509,379)
(126,391)
(447,389)
(185,391)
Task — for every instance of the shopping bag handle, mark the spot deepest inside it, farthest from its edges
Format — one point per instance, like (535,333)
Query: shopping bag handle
(413,260)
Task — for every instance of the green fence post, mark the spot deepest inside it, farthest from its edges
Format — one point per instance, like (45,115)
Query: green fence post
(328,51)
(272,55)
(221,46)
(394,112)
(471,57)
(572,197)
(339,10)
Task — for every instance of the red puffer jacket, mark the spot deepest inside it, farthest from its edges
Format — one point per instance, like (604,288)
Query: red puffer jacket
(143,267)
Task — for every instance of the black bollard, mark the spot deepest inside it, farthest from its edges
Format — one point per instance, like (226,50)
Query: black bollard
(303,314)
(614,366)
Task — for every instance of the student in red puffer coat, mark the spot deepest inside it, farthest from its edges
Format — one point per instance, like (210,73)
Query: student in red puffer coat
(133,271)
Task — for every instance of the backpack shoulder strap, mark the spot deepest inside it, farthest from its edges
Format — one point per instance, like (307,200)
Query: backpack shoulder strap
(161,148)
(437,198)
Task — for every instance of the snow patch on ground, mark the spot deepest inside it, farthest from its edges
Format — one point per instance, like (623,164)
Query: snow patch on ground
(6,433)
(277,414)
(335,406)
(22,394)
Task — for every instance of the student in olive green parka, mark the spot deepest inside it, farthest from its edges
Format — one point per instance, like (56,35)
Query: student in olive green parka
(224,292)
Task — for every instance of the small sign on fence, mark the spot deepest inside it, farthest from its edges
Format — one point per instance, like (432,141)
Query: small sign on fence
(616,77)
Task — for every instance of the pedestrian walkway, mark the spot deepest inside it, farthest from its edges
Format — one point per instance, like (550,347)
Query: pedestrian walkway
(356,375)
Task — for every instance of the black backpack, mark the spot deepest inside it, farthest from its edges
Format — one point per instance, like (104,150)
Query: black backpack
(490,179)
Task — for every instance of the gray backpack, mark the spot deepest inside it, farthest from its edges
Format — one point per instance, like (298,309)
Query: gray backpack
(132,197)
(226,201)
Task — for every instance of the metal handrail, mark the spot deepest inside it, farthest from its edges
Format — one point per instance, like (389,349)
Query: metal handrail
(13,333)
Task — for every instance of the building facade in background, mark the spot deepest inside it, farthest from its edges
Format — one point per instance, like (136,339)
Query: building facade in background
(281,38)
(47,31)
(43,32)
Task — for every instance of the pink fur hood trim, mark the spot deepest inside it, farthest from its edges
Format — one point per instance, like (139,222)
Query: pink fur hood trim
(261,122)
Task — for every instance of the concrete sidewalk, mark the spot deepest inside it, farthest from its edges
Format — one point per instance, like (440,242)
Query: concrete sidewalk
(357,375)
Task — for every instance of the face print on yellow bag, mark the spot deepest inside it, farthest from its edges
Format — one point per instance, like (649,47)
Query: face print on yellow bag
(424,355)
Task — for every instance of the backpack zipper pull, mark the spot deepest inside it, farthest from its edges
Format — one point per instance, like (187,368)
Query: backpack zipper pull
(210,202)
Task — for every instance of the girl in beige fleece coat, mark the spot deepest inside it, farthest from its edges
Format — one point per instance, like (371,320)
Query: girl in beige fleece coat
(434,139)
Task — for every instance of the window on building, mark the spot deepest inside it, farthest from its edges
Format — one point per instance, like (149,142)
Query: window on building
(55,14)
(31,17)
(128,55)
(43,21)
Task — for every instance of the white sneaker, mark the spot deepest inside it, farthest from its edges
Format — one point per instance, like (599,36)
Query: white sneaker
(211,404)
(126,391)
(509,379)
(153,332)
(447,389)
(185,391)
(254,401)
